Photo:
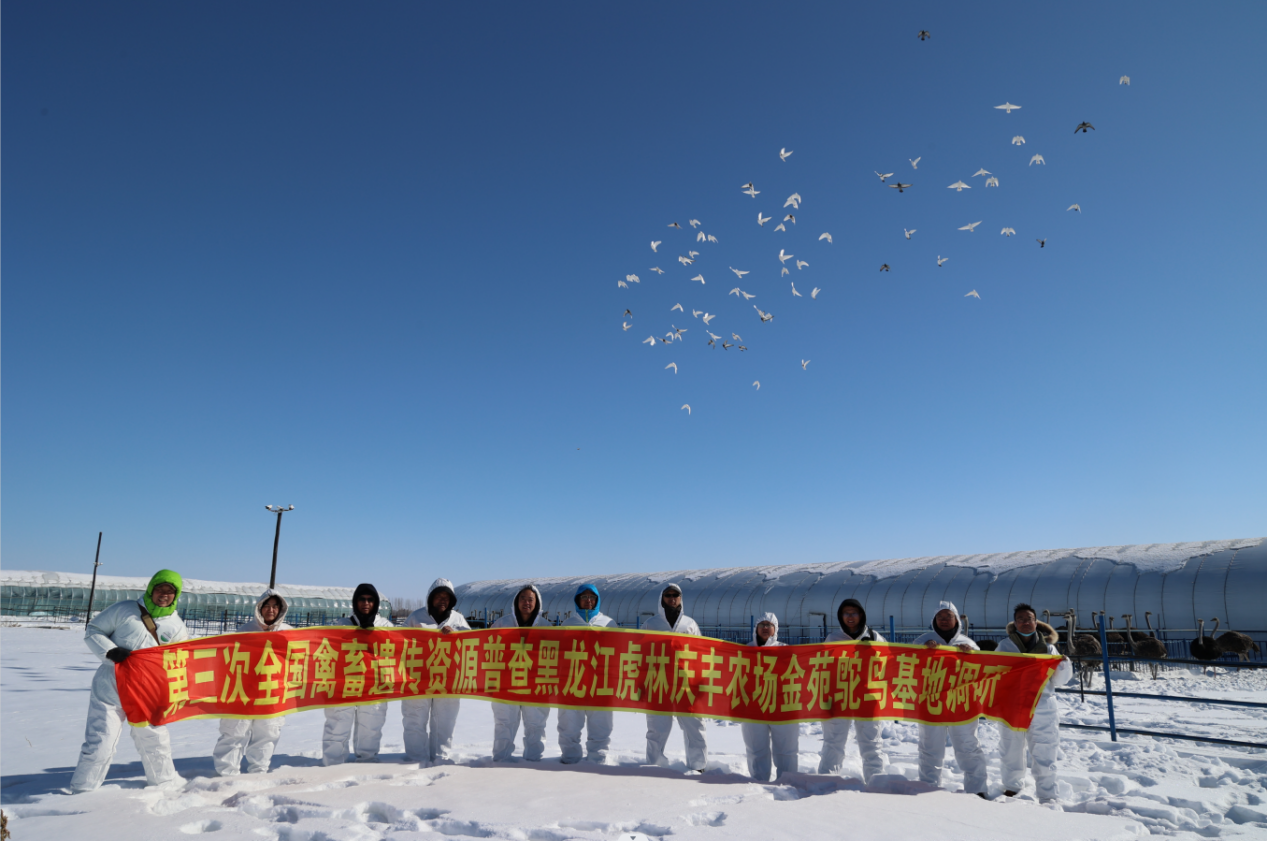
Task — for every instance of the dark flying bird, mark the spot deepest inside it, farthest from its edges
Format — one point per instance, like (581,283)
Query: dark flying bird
(900,187)
(923,35)
(1083,126)
(884,268)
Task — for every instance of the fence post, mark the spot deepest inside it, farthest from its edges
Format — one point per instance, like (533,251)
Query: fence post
(1108,681)
(892,631)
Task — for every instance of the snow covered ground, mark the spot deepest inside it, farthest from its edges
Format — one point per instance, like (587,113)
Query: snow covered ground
(1133,788)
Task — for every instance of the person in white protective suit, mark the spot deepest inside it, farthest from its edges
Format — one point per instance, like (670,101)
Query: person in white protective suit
(852,619)
(429,722)
(762,740)
(362,723)
(114,634)
(963,737)
(525,612)
(596,723)
(254,738)
(1026,635)
(672,617)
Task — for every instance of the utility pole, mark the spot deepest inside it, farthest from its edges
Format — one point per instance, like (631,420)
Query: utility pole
(279,510)
(96,562)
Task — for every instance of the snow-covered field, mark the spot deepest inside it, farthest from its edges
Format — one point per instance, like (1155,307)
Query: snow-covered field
(1133,788)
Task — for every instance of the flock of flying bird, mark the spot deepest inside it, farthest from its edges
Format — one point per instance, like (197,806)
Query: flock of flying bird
(703,238)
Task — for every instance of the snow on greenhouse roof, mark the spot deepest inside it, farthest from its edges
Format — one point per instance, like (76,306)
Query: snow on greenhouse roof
(1147,557)
(38,578)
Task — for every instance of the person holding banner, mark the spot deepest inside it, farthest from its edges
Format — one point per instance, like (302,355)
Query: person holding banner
(597,723)
(525,612)
(762,740)
(853,628)
(363,723)
(963,737)
(439,715)
(114,634)
(256,738)
(1026,635)
(671,617)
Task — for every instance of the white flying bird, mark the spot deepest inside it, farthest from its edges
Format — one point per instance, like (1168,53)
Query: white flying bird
(959,187)
(801,264)
(790,218)
(752,192)
(1008,232)
(992,181)
(1076,207)
(734,292)
(794,200)
(908,233)
(794,292)
(675,225)
(1007,106)
(621,284)
(780,227)
(672,365)
(786,271)
(970,228)
(915,163)
(981,171)
(650,340)
(757,383)
(765,316)
(804,362)
(712,238)
(714,336)
(1125,80)
(677,307)
(1037,159)
(697,313)
(746,296)
(708,318)
(687,407)
(700,237)
(747,186)
(825,236)
(883,175)
(783,257)
(655,244)
(761,220)
(685,261)
(656,269)
(694,223)
(698,277)
(814,294)
(632,278)
(784,154)
(1018,141)
(625,325)
(693,254)
(737,272)
(973,294)
(941,259)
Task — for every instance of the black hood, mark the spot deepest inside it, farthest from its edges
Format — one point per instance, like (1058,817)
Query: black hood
(441,616)
(361,619)
(840,615)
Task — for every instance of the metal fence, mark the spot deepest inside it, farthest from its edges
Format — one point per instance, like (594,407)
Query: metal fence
(201,622)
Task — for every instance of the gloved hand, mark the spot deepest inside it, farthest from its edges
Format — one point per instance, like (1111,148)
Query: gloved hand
(118,654)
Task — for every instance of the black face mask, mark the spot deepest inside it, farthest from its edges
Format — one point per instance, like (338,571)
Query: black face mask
(671,613)
(365,620)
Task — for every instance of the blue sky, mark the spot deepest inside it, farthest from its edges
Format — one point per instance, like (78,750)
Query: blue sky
(364,261)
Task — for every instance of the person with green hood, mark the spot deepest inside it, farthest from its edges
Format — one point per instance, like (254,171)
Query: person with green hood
(114,634)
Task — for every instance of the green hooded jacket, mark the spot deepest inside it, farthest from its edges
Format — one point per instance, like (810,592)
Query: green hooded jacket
(163,576)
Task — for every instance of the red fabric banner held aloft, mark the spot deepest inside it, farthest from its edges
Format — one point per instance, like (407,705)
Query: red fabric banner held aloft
(261,675)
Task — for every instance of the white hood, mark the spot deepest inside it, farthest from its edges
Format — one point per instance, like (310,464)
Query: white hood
(281,616)
(773,620)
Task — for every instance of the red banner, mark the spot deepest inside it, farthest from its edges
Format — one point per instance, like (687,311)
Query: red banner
(262,675)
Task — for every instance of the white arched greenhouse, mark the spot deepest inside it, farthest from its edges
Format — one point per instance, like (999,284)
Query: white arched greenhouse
(1178,583)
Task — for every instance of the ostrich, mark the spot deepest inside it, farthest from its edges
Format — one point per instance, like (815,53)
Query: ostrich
(1146,648)
(1234,642)
(1203,647)
(1084,647)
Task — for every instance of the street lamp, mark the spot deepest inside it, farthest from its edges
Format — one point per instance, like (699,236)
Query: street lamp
(279,510)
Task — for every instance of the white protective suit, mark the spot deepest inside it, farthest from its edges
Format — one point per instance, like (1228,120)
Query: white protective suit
(255,738)
(1043,736)
(429,722)
(120,625)
(596,723)
(363,723)
(836,730)
(506,716)
(761,740)
(963,737)
(659,726)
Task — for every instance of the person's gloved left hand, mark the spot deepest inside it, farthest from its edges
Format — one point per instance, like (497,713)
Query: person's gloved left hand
(118,654)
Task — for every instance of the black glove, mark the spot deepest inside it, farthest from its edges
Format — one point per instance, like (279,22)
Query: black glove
(118,654)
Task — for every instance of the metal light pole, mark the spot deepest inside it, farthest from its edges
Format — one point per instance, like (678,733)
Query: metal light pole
(279,510)
(96,562)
